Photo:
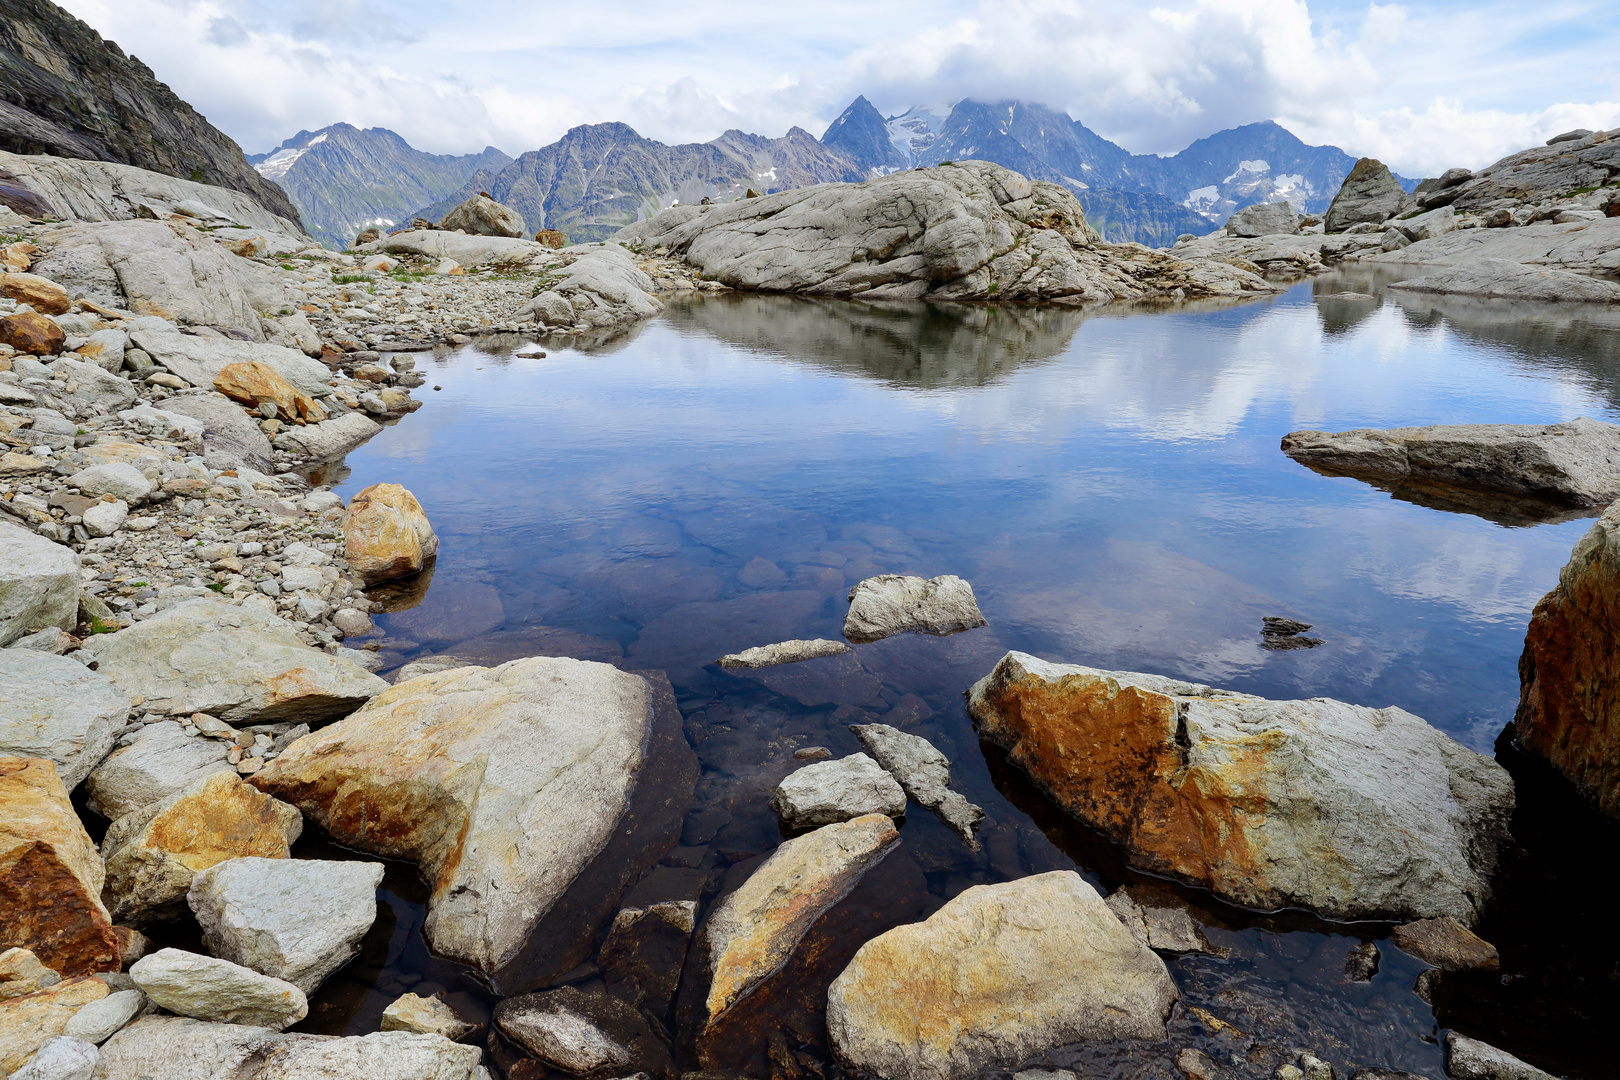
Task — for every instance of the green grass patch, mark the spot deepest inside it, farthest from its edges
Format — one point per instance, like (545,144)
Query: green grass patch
(348,279)
(99,627)
(216,586)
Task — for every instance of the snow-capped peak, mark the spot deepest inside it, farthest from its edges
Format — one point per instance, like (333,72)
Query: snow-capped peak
(916,129)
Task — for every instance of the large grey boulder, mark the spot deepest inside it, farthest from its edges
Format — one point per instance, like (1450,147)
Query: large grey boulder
(1351,812)
(970,230)
(119,479)
(56,708)
(1470,1059)
(830,791)
(999,975)
(199,360)
(924,772)
(483,216)
(1370,193)
(1573,163)
(95,385)
(160,763)
(1264,219)
(1576,463)
(207,988)
(294,919)
(236,663)
(39,584)
(896,604)
(1428,225)
(463,249)
(1501,279)
(607,272)
(231,439)
(329,439)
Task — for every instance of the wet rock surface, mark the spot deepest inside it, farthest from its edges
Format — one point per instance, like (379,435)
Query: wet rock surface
(897,604)
(831,791)
(783,652)
(1447,944)
(923,772)
(582,1032)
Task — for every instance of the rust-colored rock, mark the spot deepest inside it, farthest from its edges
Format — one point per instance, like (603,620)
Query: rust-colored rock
(32,334)
(41,294)
(552,238)
(50,874)
(1569,673)
(386,535)
(153,854)
(27,1022)
(18,257)
(253,384)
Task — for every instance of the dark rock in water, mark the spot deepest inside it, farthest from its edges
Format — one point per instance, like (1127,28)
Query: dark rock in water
(1275,624)
(1385,1074)
(583,1032)
(1447,944)
(1427,986)
(1470,1059)
(1362,963)
(645,951)
(1282,635)
(1194,1064)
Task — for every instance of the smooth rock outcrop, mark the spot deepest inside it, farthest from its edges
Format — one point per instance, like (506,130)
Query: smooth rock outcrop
(329,439)
(897,604)
(61,1058)
(1263,219)
(1352,812)
(153,854)
(1370,193)
(754,931)
(923,772)
(783,652)
(831,791)
(161,762)
(964,231)
(1569,683)
(50,875)
(483,216)
(386,534)
(39,584)
(53,707)
(27,1023)
(424,1016)
(298,920)
(236,663)
(1576,463)
(501,783)
(582,1032)
(1501,279)
(463,249)
(1470,1059)
(206,988)
(999,975)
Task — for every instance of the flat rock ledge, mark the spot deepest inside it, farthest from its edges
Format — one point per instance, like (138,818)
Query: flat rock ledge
(1501,279)
(1350,812)
(783,652)
(1576,463)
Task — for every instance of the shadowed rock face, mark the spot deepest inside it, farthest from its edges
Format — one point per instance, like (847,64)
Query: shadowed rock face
(1569,695)
(1348,811)
(65,91)
(1369,194)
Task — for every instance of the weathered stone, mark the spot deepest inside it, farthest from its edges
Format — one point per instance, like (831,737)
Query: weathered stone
(105,349)
(22,973)
(100,1020)
(27,1023)
(39,584)
(552,238)
(297,920)
(1264,219)
(254,384)
(95,385)
(483,216)
(999,975)
(200,360)
(1501,279)
(1362,962)
(162,761)
(42,294)
(1370,193)
(56,708)
(1160,920)
(1470,1059)
(1194,1064)
(119,479)
(550,307)
(328,440)
(61,1058)
(231,439)
(32,334)
(783,652)
(895,604)
(153,854)
(645,948)
(924,772)
(1351,812)
(502,783)
(1428,225)
(1447,944)
(206,988)
(831,791)
(386,535)
(50,874)
(105,518)
(233,662)
(582,1032)
(425,1016)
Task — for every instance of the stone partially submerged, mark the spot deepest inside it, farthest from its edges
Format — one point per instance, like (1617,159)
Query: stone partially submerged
(783,652)
(830,791)
(924,772)
(896,604)
(1000,975)
(1500,279)
(1573,464)
(1351,812)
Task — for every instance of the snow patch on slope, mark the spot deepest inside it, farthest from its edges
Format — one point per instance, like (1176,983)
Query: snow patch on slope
(917,129)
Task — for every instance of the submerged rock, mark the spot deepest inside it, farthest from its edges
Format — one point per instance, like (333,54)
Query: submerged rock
(1000,974)
(206,988)
(582,1032)
(895,604)
(783,652)
(1569,684)
(39,584)
(54,707)
(1160,920)
(1352,812)
(645,948)
(386,535)
(50,875)
(924,772)
(297,919)
(162,762)
(1362,962)
(1447,944)
(830,791)
(1470,1059)
(1576,463)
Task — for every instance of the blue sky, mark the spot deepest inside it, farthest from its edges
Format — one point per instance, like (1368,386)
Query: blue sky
(1422,85)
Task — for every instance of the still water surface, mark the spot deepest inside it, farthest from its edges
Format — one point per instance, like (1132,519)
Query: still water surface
(1112,486)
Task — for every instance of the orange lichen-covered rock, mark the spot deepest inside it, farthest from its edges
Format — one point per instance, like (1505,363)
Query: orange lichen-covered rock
(18,257)
(1569,673)
(386,535)
(1351,812)
(253,384)
(32,334)
(153,854)
(42,294)
(552,238)
(50,874)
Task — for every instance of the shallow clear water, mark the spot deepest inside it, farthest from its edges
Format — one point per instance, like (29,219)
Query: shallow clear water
(1112,487)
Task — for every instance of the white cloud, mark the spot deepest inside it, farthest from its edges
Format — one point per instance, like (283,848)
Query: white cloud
(1423,85)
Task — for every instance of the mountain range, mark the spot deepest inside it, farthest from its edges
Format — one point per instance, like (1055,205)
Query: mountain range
(600,177)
